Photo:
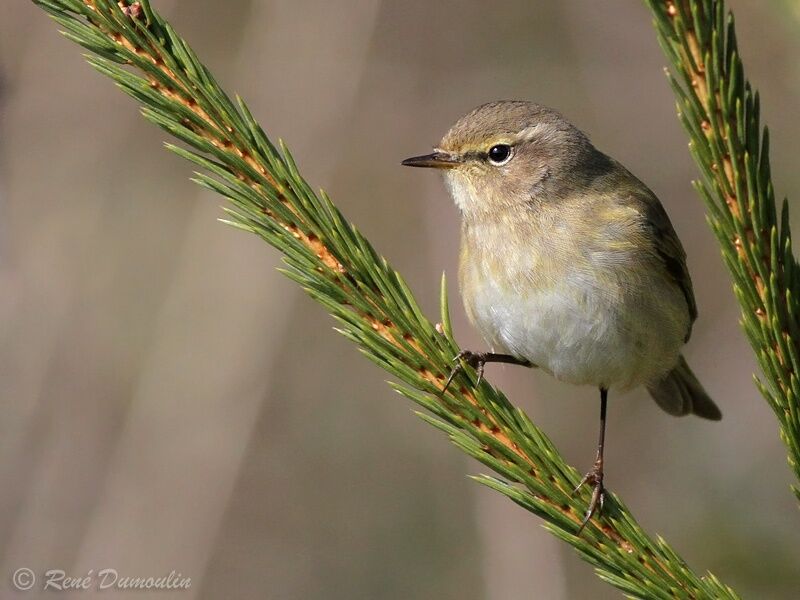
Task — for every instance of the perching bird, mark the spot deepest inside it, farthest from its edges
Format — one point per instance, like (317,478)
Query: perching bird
(568,262)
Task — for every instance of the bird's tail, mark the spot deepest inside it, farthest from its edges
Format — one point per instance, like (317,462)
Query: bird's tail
(679,393)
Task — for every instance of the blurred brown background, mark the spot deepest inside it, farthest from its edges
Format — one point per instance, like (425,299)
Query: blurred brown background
(170,402)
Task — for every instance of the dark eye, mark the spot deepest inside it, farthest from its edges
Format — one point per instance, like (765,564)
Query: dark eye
(499,154)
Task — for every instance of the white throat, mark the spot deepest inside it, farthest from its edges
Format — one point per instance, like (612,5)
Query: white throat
(462,190)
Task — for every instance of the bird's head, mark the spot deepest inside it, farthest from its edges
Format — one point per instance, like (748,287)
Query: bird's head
(507,155)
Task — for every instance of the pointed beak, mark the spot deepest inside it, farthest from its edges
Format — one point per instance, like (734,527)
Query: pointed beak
(435,160)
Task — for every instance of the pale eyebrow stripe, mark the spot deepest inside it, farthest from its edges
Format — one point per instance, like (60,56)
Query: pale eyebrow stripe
(538,130)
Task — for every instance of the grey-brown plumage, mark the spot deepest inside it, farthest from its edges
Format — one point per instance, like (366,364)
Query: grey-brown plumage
(568,261)
(680,393)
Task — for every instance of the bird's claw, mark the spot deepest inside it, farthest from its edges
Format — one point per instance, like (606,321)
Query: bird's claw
(476,360)
(595,479)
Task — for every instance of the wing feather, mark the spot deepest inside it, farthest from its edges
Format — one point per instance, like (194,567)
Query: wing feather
(670,251)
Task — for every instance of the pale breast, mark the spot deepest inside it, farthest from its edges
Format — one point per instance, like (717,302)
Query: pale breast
(587,319)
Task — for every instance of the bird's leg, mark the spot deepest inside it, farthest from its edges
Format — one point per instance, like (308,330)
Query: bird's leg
(595,476)
(478,360)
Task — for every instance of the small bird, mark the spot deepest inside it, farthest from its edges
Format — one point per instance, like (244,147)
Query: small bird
(568,262)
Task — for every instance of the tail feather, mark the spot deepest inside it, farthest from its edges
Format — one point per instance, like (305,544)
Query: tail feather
(679,393)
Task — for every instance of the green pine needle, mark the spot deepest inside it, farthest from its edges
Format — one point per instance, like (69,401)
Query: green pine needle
(720,111)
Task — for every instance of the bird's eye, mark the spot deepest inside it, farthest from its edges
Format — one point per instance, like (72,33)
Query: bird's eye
(499,154)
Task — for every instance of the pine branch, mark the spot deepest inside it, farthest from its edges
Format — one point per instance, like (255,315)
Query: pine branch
(720,111)
(336,265)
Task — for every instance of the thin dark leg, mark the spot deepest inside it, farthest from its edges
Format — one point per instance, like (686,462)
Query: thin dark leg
(595,476)
(478,360)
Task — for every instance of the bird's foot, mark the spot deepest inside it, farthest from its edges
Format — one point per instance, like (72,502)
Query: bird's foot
(595,479)
(476,360)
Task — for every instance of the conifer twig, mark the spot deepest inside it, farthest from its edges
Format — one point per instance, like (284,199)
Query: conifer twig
(720,111)
(133,45)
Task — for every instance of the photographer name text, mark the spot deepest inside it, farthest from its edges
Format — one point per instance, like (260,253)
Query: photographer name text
(103,579)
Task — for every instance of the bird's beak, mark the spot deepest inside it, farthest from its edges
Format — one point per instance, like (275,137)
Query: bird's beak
(435,160)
